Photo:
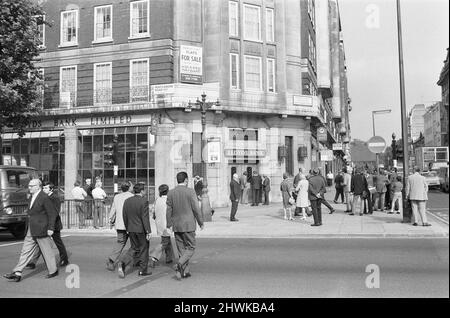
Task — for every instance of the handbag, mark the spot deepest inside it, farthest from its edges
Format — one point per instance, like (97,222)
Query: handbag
(309,211)
(291,200)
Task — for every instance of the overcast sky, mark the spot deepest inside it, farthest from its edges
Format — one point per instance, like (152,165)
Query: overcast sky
(370,40)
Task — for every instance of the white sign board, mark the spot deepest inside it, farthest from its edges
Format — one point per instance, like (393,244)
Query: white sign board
(191,64)
(214,151)
(338,146)
(326,155)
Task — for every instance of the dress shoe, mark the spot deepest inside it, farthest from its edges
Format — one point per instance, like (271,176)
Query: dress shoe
(335,202)
(178,272)
(152,262)
(234,220)
(351,213)
(144,273)
(63,263)
(414,224)
(318,224)
(426,224)
(360,214)
(332,211)
(121,270)
(110,265)
(13,277)
(52,275)
(169,262)
(31,266)
(187,275)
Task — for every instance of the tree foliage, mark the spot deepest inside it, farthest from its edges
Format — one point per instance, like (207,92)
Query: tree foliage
(19,50)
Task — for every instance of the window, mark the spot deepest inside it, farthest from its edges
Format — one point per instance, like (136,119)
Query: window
(103,24)
(102,83)
(139,76)
(234,71)
(270,30)
(252,23)
(312,51)
(68,86)
(40,87)
(311,11)
(233,11)
(270,75)
(252,73)
(139,19)
(69,27)
(41,29)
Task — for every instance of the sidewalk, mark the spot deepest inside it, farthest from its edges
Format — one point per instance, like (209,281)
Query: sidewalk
(268,221)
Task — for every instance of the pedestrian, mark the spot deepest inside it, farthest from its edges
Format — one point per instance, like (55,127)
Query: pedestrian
(347,187)
(266,189)
(256,185)
(99,196)
(286,189)
(324,201)
(79,195)
(330,178)
(397,188)
(137,223)
(339,185)
(116,220)
(380,186)
(235,193)
(89,201)
(244,188)
(48,188)
(302,202)
(358,189)
(41,225)
(198,187)
(417,191)
(368,199)
(392,179)
(297,177)
(316,191)
(182,214)
(160,217)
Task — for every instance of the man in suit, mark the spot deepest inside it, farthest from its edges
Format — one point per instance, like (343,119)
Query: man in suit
(235,193)
(137,224)
(316,192)
(381,189)
(266,189)
(63,258)
(347,187)
(244,189)
(256,185)
(41,225)
(89,199)
(182,213)
(116,219)
(417,191)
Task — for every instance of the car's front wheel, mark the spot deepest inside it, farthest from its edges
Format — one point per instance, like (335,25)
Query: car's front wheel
(19,231)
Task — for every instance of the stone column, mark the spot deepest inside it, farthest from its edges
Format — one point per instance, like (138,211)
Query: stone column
(70,160)
(164,165)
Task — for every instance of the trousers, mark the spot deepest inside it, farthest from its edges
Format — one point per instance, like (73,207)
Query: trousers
(138,252)
(122,238)
(317,210)
(59,244)
(185,242)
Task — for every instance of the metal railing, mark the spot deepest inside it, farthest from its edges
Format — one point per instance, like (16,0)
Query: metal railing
(85,214)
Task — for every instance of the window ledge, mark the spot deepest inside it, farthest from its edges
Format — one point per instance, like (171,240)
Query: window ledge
(137,37)
(68,45)
(102,41)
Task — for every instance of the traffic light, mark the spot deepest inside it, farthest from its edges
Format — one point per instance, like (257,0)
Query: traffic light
(399,151)
(394,150)
(109,154)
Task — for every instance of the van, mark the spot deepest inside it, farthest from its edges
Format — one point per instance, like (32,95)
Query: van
(14,197)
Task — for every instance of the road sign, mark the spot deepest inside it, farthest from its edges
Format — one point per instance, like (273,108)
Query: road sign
(376,144)
(321,134)
(338,146)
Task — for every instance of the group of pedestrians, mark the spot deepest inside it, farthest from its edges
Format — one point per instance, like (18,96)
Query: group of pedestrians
(176,212)
(90,203)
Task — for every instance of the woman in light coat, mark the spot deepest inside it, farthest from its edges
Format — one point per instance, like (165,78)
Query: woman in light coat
(302,196)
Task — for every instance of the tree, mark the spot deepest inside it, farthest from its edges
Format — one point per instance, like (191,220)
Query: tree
(20,80)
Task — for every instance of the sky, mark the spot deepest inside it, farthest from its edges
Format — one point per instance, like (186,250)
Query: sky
(369,29)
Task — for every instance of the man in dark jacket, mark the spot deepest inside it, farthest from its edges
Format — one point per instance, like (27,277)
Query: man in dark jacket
(182,213)
(41,225)
(137,224)
(54,198)
(235,193)
(339,185)
(358,188)
(256,185)
(266,189)
(316,192)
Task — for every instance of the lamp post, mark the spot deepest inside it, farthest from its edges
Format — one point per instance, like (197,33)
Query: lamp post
(204,106)
(374,112)
(406,211)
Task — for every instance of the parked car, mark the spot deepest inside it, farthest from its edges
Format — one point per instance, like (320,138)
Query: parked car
(443,178)
(432,179)
(14,198)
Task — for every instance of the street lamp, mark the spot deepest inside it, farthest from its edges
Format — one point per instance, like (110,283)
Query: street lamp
(204,106)
(382,111)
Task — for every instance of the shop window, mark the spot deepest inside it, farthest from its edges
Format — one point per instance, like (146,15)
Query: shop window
(98,143)
(24,146)
(130,174)
(87,144)
(87,161)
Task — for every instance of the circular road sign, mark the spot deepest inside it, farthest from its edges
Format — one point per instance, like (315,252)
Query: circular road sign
(376,144)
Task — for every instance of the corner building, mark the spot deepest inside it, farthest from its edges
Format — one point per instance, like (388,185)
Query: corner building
(128,74)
